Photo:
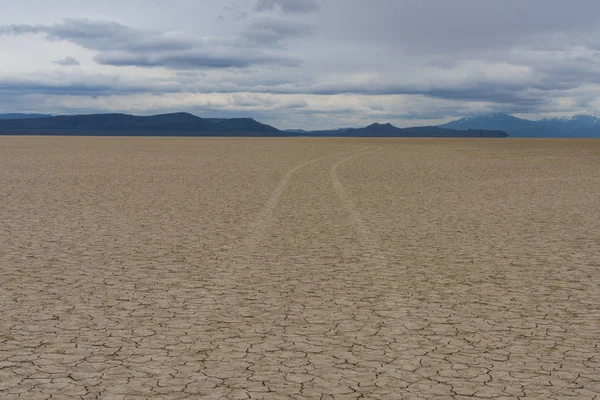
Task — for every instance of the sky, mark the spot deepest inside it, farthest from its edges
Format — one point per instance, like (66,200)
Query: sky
(312,64)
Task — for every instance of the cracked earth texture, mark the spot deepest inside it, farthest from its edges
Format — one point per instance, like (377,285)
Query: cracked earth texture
(134,268)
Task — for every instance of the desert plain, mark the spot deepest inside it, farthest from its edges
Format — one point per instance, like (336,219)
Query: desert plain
(251,268)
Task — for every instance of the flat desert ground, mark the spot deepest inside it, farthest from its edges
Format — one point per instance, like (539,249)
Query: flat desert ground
(189,268)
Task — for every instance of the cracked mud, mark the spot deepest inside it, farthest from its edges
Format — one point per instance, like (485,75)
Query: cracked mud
(136,268)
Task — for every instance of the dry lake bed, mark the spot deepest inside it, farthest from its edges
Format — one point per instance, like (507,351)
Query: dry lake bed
(190,268)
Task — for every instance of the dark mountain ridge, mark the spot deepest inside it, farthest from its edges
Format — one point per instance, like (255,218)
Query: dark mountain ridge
(23,116)
(389,130)
(185,124)
(174,124)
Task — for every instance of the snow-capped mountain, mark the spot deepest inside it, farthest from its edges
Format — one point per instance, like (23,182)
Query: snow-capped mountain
(514,126)
(581,118)
(574,126)
(575,121)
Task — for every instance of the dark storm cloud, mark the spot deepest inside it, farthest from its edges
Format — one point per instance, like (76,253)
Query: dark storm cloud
(104,36)
(67,62)
(512,97)
(192,60)
(525,97)
(498,95)
(120,45)
(78,88)
(288,6)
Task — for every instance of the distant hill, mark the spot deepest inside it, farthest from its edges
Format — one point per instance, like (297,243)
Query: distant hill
(326,132)
(389,130)
(184,124)
(23,116)
(577,126)
(175,124)
(295,131)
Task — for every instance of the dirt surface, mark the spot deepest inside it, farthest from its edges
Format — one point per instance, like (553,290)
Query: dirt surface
(134,268)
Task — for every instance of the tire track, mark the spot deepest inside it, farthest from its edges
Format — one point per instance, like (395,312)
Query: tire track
(366,236)
(240,266)
(265,216)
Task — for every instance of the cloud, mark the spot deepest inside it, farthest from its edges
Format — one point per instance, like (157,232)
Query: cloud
(60,85)
(274,30)
(67,62)
(459,27)
(500,84)
(288,6)
(121,45)
(192,60)
(104,35)
(352,61)
(233,12)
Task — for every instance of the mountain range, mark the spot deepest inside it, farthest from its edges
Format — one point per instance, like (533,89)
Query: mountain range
(582,126)
(389,130)
(185,124)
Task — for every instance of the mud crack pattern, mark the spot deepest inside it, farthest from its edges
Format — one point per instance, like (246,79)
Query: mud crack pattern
(135,268)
